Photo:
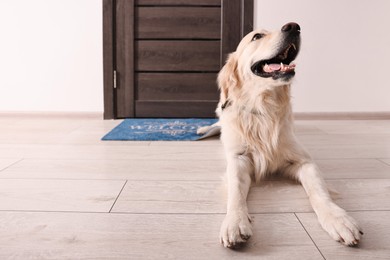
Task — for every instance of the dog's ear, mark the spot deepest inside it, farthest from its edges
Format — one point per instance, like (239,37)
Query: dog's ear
(228,77)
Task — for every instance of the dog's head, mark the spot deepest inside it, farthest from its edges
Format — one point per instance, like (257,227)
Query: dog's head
(263,58)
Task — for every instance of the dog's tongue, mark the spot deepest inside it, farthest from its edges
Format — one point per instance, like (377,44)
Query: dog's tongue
(276,67)
(272,67)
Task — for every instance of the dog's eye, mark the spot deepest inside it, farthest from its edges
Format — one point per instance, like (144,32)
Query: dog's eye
(257,36)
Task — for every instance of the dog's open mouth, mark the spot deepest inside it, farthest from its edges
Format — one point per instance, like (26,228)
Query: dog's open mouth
(279,66)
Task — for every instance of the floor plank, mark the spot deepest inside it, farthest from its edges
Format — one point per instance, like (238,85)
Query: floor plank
(172,170)
(270,196)
(349,126)
(130,151)
(362,194)
(386,161)
(304,129)
(348,151)
(171,197)
(35,131)
(373,245)
(354,169)
(124,236)
(5,163)
(116,169)
(58,195)
(343,146)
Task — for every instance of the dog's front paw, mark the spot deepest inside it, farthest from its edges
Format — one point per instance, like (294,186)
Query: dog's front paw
(340,226)
(236,229)
(202,130)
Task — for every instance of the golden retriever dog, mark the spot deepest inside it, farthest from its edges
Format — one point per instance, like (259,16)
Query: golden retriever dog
(258,137)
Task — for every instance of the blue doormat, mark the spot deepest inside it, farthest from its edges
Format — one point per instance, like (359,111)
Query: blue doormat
(158,129)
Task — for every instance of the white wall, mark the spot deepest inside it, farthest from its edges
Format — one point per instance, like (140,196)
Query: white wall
(51,54)
(345,60)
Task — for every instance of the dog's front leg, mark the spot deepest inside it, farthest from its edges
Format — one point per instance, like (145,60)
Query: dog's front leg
(236,227)
(332,218)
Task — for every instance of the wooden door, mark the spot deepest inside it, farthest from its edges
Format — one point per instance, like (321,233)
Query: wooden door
(162,57)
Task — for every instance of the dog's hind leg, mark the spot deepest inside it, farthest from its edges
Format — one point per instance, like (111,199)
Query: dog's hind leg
(236,227)
(332,218)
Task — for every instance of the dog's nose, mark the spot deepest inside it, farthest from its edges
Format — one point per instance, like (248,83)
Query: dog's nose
(291,28)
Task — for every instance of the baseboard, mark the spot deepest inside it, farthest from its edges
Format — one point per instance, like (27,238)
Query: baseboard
(50,114)
(342,116)
(298,115)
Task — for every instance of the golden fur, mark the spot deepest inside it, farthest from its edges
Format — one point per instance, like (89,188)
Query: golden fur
(258,137)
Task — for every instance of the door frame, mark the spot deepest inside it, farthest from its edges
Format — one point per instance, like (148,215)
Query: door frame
(115,52)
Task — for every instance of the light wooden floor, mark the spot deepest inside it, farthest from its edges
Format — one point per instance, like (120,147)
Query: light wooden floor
(64,194)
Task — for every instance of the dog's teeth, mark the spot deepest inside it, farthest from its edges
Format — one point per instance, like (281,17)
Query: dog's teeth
(293,45)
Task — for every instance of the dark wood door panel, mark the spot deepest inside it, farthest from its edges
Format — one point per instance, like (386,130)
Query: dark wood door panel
(124,59)
(108,59)
(177,55)
(179,2)
(176,86)
(175,109)
(161,57)
(178,22)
